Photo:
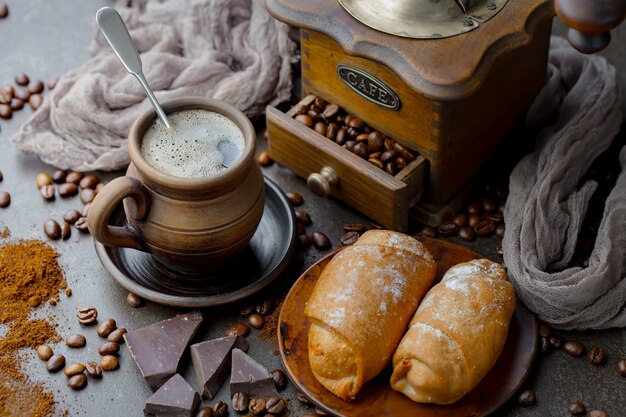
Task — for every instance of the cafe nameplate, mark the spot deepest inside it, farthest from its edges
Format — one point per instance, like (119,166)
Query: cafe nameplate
(368,86)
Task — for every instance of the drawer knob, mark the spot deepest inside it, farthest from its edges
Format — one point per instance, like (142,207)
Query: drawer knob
(321,184)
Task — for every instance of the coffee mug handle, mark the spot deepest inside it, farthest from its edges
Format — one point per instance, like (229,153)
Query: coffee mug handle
(105,204)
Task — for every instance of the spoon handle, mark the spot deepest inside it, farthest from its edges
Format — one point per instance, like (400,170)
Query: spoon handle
(116,33)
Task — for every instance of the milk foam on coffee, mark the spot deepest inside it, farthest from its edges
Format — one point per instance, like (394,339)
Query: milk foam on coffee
(190,147)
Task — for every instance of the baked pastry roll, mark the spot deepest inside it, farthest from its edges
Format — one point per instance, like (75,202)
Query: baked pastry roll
(456,335)
(361,305)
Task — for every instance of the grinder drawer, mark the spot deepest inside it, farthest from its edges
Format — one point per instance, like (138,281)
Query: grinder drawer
(330,169)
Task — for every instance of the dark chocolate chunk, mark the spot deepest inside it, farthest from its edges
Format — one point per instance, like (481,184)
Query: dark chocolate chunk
(157,349)
(175,398)
(212,359)
(250,377)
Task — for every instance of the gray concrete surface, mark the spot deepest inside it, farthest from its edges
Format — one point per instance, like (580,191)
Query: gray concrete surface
(47,38)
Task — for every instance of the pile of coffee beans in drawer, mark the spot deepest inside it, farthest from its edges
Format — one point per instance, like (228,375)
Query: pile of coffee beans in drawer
(334,123)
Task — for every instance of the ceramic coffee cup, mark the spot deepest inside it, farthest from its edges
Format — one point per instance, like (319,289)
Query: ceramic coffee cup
(187,224)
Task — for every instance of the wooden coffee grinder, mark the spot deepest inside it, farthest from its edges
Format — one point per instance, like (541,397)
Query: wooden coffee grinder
(448,79)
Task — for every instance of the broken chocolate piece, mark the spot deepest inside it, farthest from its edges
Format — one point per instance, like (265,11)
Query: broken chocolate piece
(157,349)
(250,377)
(211,361)
(175,398)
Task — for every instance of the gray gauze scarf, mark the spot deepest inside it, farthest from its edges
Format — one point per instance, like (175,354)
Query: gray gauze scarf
(232,50)
(546,207)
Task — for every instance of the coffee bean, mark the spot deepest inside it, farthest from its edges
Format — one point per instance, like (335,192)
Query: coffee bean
(257,405)
(53,83)
(220,409)
(5,199)
(427,231)
(320,102)
(546,347)
(376,163)
(52,229)
(489,205)
(597,413)
(22,94)
(109,348)
(576,408)
(35,101)
(400,163)
(350,144)
(265,307)
(500,230)
(47,192)
(341,137)
(77,382)
(485,228)
(36,87)
(275,405)
(320,241)
(245,311)
(313,113)
(44,352)
(59,176)
(467,234)
(68,189)
(574,348)
(497,218)
(43,179)
(5,97)
(280,379)
(74,369)
(71,216)
(109,363)
(240,402)
(527,398)
(544,330)
(205,412)
(460,219)
(556,340)
(304,241)
(295,198)
(360,150)
(6,112)
(87,315)
(320,127)
(331,112)
(473,220)
(255,321)
(8,90)
(22,79)
(474,207)
(55,363)
(117,335)
(264,159)
(74,177)
(596,355)
(106,327)
(304,400)
(94,369)
(620,367)
(89,181)
(16,104)
(331,131)
(354,227)
(391,169)
(76,341)
(100,186)
(303,217)
(81,225)
(355,123)
(134,300)
(349,238)
(448,229)
(238,329)
(1,176)
(305,119)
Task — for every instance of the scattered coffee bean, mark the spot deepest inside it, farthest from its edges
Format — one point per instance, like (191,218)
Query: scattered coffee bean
(264,307)
(109,363)
(546,347)
(460,220)
(77,382)
(134,300)
(620,367)
(556,340)
(354,227)
(485,228)
(22,94)
(117,335)
(264,159)
(44,352)
(303,217)
(68,292)
(576,408)
(527,398)
(246,311)
(349,238)
(53,83)
(59,176)
(255,321)
(473,220)
(52,229)
(238,329)
(68,189)
(89,182)
(304,241)
(220,409)
(6,112)
(300,229)
(448,229)
(87,315)
(275,405)
(22,79)
(71,216)
(4,10)
(574,348)
(280,379)
(304,400)
(109,348)
(87,195)
(497,218)
(76,341)
(106,327)
(596,355)
(467,233)
(8,90)
(427,231)
(257,405)
(597,413)
(500,230)
(74,177)
(474,207)
(489,205)
(47,192)
(74,369)
(35,101)
(81,225)
(205,412)
(94,369)
(36,87)
(16,104)
(1,176)
(43,179)
(544,330)
(240,402)
(5,199)
(295,198)
(320,241)
(55,363)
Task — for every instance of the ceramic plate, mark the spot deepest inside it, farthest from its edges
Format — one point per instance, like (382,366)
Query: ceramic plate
(376,398)
(267,255)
